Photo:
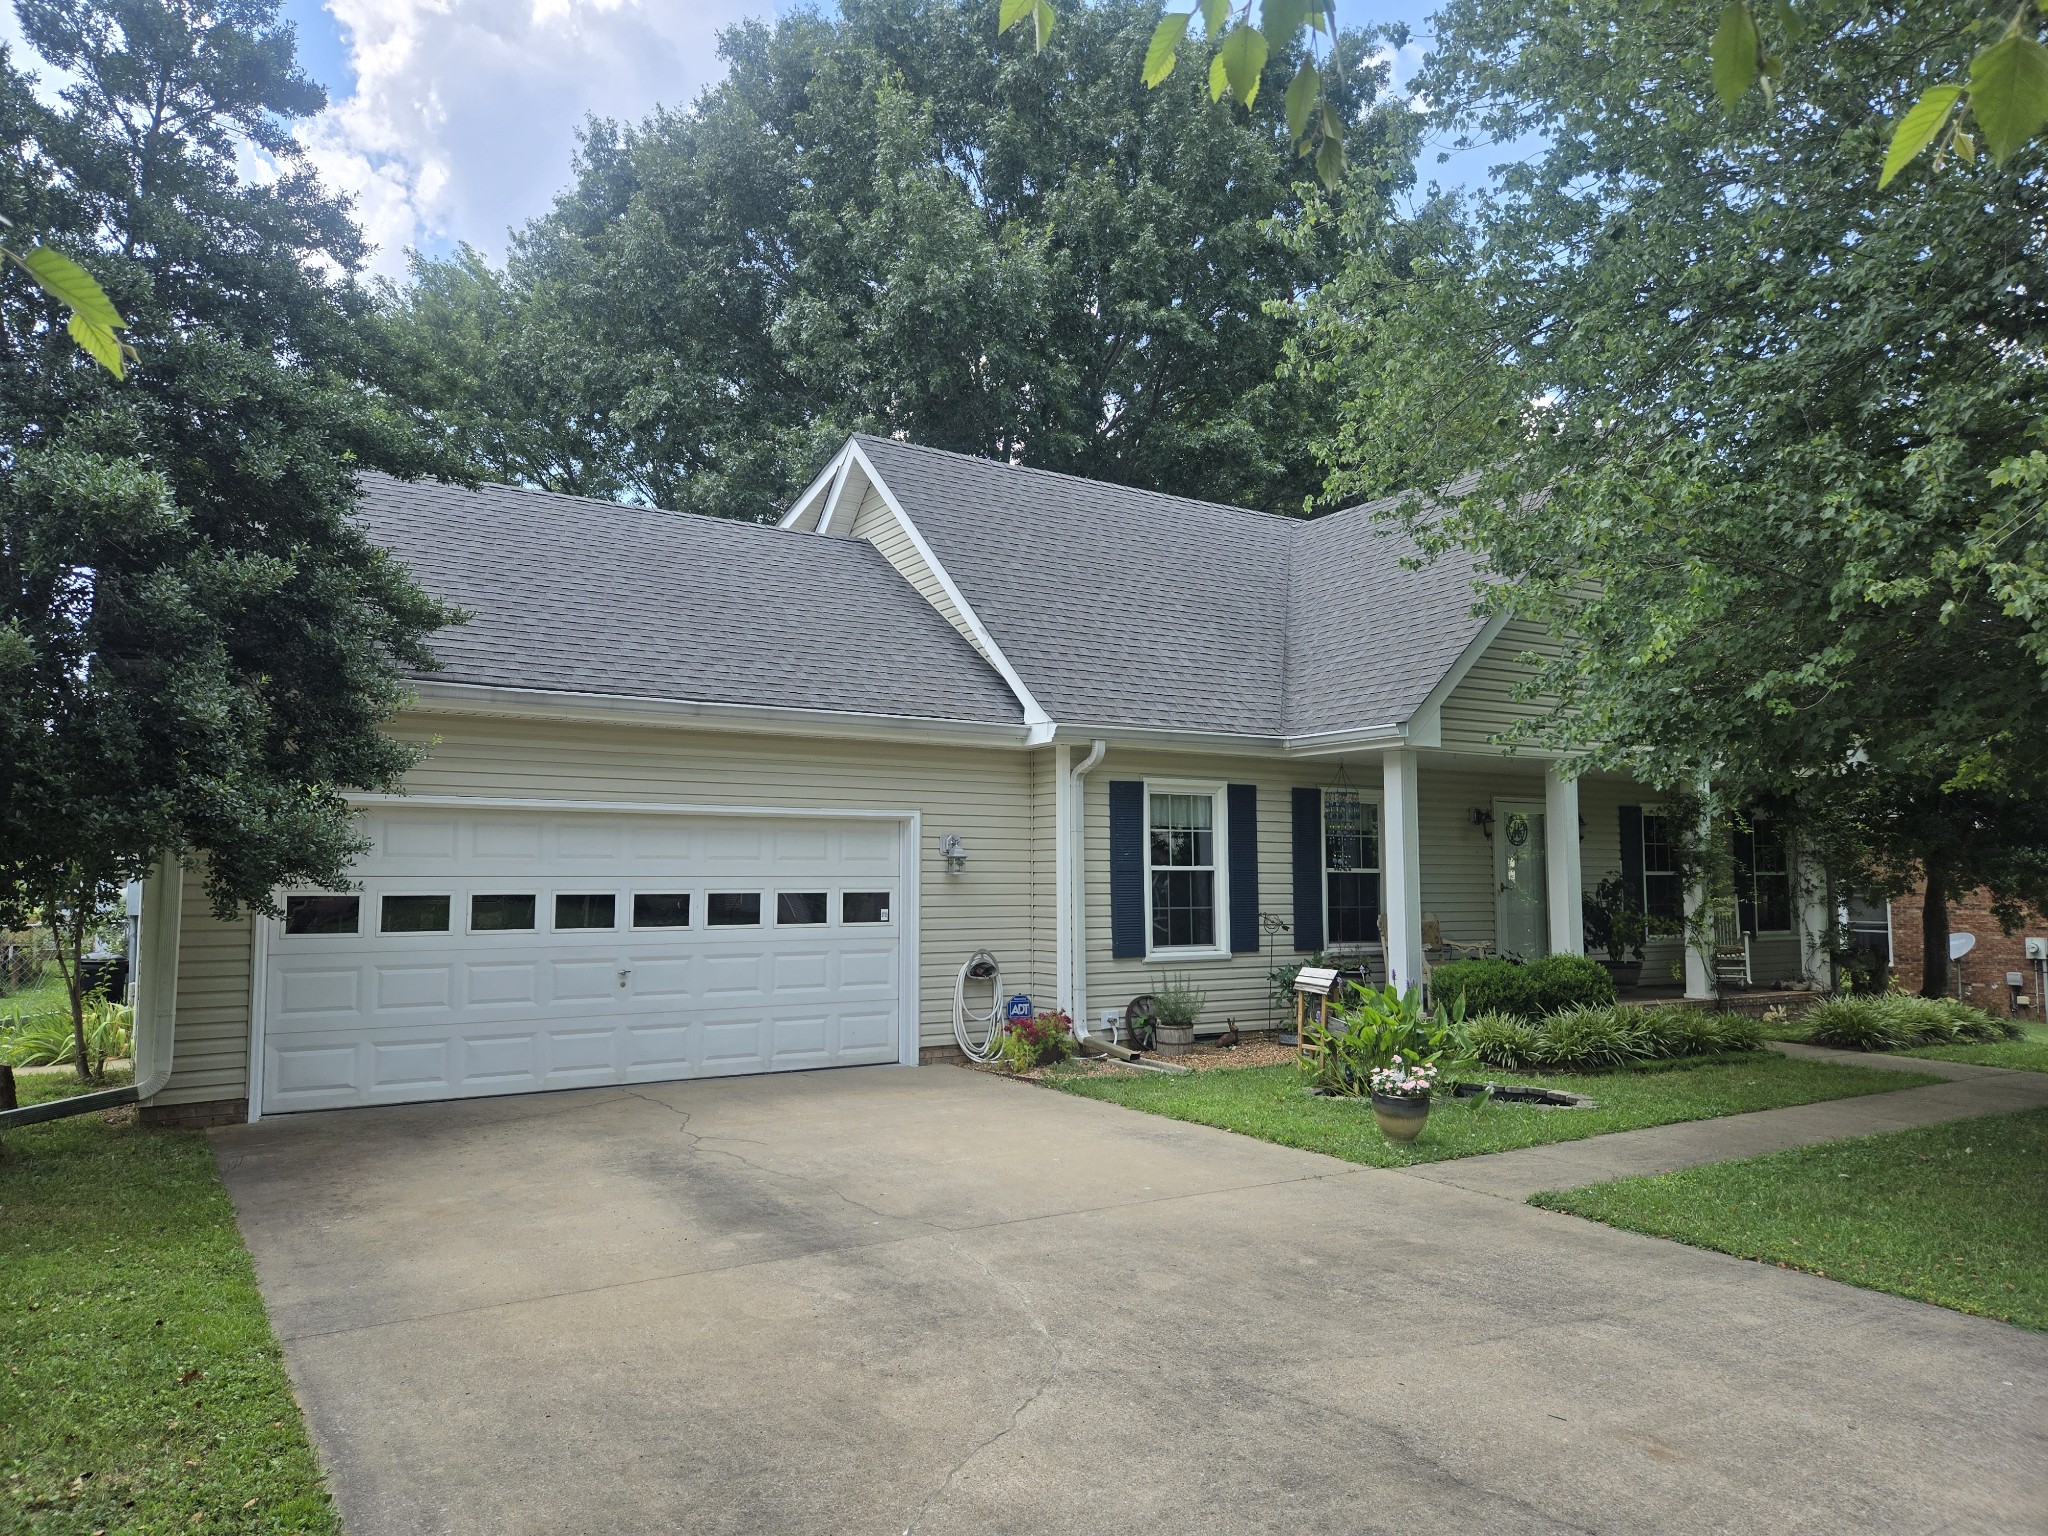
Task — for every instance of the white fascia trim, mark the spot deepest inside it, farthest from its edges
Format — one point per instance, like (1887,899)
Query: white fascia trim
(836,511)
(1034,714)
(1324,743)
(627,807)
(1426,724)
(826,479)
(626,709)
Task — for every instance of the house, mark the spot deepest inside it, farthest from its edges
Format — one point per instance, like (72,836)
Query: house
(706,798)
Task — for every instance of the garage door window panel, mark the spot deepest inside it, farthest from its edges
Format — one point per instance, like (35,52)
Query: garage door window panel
(322,914)
(864,907)
(413,914)
(498,913)
(734,909)
(661,909)
(800,909)
(576,910)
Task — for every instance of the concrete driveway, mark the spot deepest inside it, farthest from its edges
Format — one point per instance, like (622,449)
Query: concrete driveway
(885,1300)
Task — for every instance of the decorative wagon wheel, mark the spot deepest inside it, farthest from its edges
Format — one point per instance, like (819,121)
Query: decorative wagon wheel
(1139,1022)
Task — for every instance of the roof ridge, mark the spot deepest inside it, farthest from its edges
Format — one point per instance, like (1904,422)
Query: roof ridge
(596,502)
(1059,474)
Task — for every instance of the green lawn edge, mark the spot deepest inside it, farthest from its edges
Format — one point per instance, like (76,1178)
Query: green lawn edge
(1268,1103)
(1954,1214)
(143,1386)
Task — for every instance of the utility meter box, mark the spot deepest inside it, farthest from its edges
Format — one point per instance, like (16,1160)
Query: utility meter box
(2037,949)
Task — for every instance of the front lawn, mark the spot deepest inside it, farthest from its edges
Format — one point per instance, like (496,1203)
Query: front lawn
(2027,1054)
(143,1390)
(1268,1102)
(1954,1214)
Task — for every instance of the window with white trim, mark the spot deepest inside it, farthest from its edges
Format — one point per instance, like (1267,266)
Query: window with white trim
(1351,868)
(1763,878)
(1663,890)
(1181,868)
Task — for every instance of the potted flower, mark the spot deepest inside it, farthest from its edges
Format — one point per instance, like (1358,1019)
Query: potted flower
(1400,1097)
(1616,922)
(1176,1008)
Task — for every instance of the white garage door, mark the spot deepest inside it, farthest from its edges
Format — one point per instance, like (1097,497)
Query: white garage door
(507,951)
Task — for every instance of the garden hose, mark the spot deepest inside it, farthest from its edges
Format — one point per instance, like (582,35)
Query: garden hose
(980,966)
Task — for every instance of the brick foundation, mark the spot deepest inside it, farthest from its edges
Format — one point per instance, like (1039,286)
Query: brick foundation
(941,1056)
(1984,968)
(196,1117)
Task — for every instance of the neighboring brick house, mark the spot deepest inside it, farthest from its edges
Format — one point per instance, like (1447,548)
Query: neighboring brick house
(1984,970)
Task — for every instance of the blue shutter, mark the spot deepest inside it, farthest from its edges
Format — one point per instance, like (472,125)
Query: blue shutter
(1241,806)
(1127,869)
(1632,853)
(1308,870)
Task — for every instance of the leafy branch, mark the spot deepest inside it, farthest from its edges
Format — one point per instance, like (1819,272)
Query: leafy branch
(94,320)
(2004,96)
(1239,63)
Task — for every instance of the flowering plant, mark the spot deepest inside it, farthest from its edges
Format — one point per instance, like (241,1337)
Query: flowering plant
(1038,1041)
(1400,1079)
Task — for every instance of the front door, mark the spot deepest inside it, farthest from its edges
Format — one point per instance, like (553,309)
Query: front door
(1522,908)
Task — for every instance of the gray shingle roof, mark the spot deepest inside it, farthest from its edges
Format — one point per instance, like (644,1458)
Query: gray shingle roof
(590,596)
(1129,608)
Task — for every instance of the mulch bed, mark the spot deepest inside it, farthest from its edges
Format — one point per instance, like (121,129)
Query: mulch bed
(1252,1051)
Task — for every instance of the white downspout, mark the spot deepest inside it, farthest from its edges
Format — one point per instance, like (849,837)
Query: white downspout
(1075,896)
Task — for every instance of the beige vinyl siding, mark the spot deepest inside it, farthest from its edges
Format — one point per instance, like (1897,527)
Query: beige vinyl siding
(210,1056)
(1484,703)
(880,526)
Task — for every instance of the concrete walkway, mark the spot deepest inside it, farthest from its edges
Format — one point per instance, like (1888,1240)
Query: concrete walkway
(881,1300)
(1970,1091)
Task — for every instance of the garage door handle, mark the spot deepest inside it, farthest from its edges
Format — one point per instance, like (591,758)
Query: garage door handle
(623,975)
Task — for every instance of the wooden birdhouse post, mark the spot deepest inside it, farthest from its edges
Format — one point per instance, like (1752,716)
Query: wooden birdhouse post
(1313,981)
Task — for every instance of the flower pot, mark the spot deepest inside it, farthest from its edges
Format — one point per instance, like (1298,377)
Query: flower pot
(1400,1118)
(1174,1039)
(1626,973)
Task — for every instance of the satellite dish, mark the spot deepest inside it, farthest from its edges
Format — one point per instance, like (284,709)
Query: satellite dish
(1960,944)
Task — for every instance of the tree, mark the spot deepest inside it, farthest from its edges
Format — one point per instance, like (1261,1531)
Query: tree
(197,646)
(1751,435)
(886,220)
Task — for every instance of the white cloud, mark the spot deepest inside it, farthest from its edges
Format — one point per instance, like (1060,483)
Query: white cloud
(463,119)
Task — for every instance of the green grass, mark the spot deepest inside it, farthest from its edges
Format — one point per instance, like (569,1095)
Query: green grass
(1954,1214)
(142,1389)
(2028,1054)
(46,996)
(1267,1102)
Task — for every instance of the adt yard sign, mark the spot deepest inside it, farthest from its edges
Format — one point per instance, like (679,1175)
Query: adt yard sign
(1019,1010)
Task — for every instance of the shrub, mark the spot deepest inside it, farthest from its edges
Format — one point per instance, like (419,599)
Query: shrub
(1590,1039)
(1373,1027)
(1038,1041)
(1487,986)
(1570,981)
(1857,1024)
(44,1039)
(1500,1040)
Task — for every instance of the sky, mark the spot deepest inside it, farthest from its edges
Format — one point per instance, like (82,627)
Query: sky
(454,121)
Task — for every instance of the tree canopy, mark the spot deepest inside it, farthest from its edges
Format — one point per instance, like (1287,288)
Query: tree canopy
(889,220)
(1756,437)
(197,645)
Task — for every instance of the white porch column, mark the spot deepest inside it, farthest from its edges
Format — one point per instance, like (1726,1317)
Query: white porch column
(1817,919)
(1699,945)
(1567,890)
(1401,866)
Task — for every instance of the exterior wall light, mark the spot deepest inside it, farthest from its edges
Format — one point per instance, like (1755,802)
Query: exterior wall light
(954,852)
(1483,820)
